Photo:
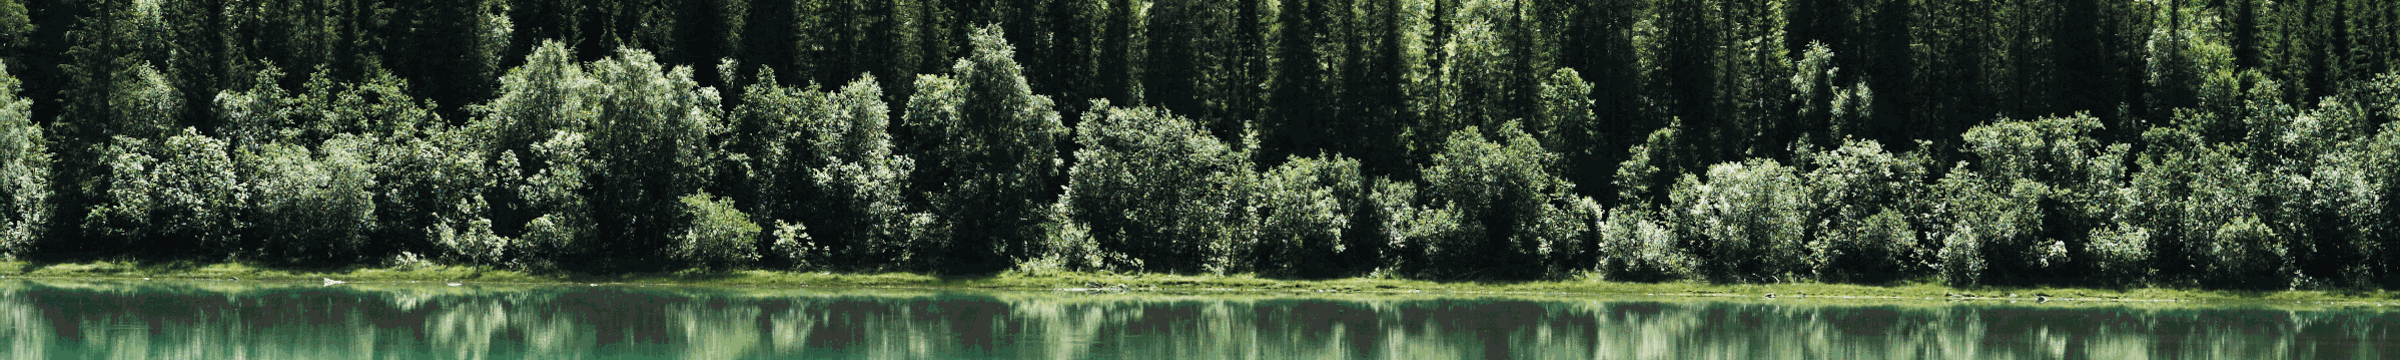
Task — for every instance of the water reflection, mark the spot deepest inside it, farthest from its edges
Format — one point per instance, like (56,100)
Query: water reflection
(188,320)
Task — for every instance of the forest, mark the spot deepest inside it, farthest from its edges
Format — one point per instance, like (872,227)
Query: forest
(2245,144)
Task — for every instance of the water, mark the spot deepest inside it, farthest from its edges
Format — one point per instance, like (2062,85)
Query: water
(254,320)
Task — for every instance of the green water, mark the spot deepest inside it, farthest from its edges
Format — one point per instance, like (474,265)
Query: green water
(253,320)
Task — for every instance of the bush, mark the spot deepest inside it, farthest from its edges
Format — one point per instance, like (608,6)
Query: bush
(598,150)
(2120,255)
(1748,219)
(828,158)
(469,239)
(563,222)
(434,184)
(1863,226)
(1652,167)
(2359,183)
(1409,230)
(24,173)
(1310,218)
(180,205)
(312,207)
(2033,193)
(1514,212)
(717,235)
(1991,225)
(1157,187)
(1634,246)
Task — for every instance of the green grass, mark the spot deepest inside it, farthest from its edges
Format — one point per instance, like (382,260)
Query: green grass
(1221,284)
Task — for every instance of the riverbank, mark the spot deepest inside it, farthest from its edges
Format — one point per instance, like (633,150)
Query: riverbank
(1242,283)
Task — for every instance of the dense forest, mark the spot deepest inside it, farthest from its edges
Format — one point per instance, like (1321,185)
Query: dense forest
(2208,143)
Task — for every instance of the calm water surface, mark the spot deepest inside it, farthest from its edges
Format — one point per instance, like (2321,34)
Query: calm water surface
(254,320)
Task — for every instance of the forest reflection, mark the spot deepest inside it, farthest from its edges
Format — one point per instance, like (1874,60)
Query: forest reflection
(158,319)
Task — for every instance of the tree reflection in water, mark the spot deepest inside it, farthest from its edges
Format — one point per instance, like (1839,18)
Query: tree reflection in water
(157,319)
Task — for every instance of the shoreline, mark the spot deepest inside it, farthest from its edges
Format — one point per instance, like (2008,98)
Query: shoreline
(1227,284)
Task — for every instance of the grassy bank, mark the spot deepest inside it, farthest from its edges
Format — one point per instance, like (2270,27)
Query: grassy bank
(1108,282)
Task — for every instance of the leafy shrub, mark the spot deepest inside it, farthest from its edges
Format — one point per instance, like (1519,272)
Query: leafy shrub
(1157,187)
(2033,193)
(1311,220)
(2245,253)
(2359,186)
(1991,225)
(1410,231)
(312,207)
(1635,246)
(469,239)
(2120,255)
(597,150)
(828,158)
(1513,210)
(1864,201)
(1748,219)
(185,204)
(564,225)
(25,203)
(434,184)
(1069,245)
(717,235)
(792,242)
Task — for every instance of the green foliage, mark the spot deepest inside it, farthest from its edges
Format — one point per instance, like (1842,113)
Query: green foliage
(717,235)
(1829,113)
(186,204)
(1514,212)
(1483,79)
(24,172)
(463,236)
(828,158)
(2202,201)
(122,213)
(2246,253)
(1316,219)
(1867,213)
(652,139)
(1568,125)
(2121,255)
(1566,109)
(593,152)
(534,134)
(1157,187)
(793,244)
(431,180)
(2356,187)
(200,196)
(1651,167)
(2265,151)
(2034,196)
(1635,245)
(1748,220)
(990,146)
(312,205)
(1405,228)
(416,170)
